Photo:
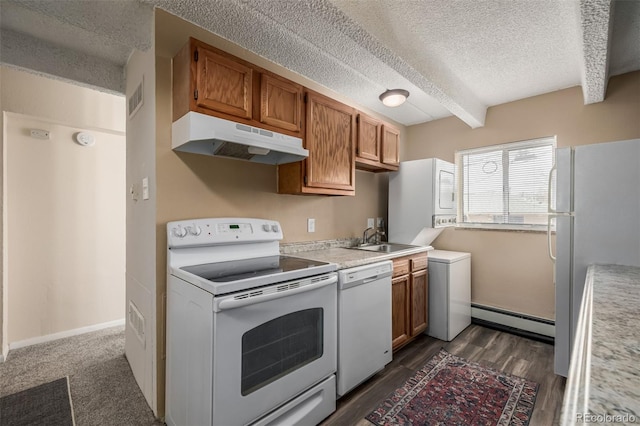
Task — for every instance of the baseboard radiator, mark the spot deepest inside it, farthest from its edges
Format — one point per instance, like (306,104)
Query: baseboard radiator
(513,322)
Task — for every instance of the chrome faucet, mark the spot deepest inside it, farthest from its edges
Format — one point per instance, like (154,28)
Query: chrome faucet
(379,233)
(366,239)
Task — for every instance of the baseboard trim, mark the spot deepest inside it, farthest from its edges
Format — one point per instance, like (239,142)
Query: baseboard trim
(63,334)
(513,322)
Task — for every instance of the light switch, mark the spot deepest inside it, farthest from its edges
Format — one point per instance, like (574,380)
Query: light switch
(370,222)
(145,188)
(311,225)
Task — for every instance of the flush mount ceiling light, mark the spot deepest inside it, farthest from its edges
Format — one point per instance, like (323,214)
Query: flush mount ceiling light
(394,97)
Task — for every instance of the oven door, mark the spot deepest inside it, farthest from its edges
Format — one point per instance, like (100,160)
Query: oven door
(270,345)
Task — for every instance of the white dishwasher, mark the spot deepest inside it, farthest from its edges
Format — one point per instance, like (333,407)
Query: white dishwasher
(364,323)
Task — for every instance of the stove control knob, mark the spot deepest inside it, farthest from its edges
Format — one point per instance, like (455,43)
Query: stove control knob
(275,228)
(179,232)
(194,230)
(266,227)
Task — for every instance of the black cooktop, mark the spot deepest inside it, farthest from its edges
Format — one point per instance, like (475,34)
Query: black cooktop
(237,270)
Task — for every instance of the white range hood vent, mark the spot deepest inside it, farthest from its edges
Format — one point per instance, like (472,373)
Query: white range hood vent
(204,134)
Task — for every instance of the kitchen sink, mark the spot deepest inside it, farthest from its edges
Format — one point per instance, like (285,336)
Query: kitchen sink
(385,247)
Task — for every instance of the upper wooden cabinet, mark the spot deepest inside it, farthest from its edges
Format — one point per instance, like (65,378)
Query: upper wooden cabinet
(330,138)
(368,141)
(210,81)
(390,152)
(376,145)
(223,84)
(280,103)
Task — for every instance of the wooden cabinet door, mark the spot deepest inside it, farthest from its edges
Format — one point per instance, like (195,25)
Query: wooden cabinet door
(390,152)
(400,309)
(368,141)
(419,301)
(223,84)
(280,103)
(330,138)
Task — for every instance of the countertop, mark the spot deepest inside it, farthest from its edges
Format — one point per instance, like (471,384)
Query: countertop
(603,384)
(337,251)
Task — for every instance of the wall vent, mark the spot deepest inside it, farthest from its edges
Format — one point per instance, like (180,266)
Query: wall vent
(136,100)
(136,322)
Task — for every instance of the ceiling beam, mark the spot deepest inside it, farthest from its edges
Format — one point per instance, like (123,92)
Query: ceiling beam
(126,22)
(316,39)
(60,63)
(434,79)
(596,19)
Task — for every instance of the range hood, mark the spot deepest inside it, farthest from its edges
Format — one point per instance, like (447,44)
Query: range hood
(204,134)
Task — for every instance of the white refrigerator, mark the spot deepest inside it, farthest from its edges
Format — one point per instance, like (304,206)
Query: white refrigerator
(597,221)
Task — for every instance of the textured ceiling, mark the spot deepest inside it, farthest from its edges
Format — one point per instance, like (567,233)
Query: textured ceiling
(456,57)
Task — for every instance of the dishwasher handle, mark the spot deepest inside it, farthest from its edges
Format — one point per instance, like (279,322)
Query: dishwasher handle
(363,281)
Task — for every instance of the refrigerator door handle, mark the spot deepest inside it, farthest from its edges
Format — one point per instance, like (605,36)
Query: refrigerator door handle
(549,218)
(550,209)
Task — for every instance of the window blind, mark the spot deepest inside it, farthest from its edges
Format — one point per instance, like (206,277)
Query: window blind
(506,184)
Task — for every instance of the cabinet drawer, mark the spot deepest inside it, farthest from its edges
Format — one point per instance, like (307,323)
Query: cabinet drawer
(419,262)
(400,266)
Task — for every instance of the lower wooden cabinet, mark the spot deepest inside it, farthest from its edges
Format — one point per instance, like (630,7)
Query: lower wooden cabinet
(400,311)
(419,301)
(409,295)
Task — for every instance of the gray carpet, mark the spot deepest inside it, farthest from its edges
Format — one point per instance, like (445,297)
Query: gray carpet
(103,389)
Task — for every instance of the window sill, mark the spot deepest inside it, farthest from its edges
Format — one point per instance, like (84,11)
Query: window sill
(532,229)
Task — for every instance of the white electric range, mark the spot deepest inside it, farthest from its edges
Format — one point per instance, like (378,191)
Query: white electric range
(251,334)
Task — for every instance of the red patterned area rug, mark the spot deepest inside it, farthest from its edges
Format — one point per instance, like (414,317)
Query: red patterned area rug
(450,390)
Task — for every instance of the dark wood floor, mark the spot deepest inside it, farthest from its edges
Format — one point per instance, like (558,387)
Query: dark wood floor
(495,349)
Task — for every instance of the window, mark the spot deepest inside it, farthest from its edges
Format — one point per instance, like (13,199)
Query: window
(506,186)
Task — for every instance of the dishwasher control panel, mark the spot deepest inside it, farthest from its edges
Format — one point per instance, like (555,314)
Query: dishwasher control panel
(366,272)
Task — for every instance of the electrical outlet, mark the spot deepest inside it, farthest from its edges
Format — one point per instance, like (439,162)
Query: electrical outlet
(133,191)
(370,223)
(311,225)
(379,223)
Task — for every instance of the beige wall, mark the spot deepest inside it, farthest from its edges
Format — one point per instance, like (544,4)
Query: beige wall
(65,232)
(192,186)
(143,354)
(59,102)
(510,270)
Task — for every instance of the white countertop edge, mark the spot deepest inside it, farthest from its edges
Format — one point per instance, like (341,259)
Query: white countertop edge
(576,395)
(349,257)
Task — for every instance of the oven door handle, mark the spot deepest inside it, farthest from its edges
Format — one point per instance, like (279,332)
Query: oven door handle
(232,302)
